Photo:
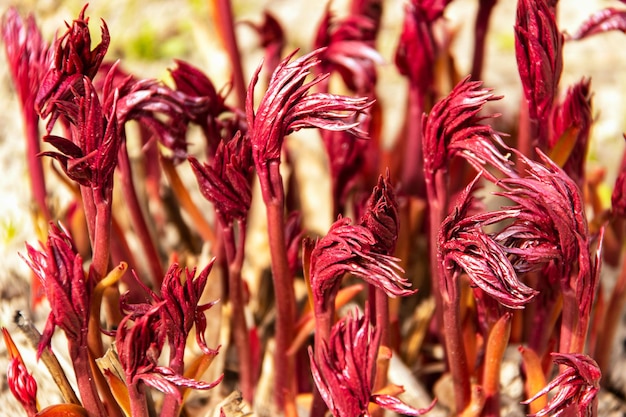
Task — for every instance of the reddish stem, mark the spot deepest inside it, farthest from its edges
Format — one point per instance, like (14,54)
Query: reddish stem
(611,321)
(273,196)
(455,351)
(79,353)
(485,7)
(413,165)
(323,324)
(102,234)
(234,256)
(35,166)
(138,403)
(226,29)
(381,321)
(137,217)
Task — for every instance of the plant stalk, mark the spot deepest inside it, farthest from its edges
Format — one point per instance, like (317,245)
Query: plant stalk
(136,214)
(323,323)
(485,7)
(234,256)
(413,165)
(35,166)
(611,321)
(224,22)
(138,401)
(455,350)
(79,352)
(274,198)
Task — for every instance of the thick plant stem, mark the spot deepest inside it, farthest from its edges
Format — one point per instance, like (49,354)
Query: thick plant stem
(570,318)
(223,18)
(437,194)
(35,166)
(413,164)
(79,352)
(455,351)
(138,403)
(136,214)
(89,207)
(323,324)
(274,198)
(94,339)
(234,256)
(611,321)
(485,7)
(102,235)
(381,321)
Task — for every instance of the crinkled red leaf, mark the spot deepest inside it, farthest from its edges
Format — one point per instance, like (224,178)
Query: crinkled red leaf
(577,385)
(381,216)
(73,57)
(539,53)
(344,377)
(225,182)
(453,127)
(288,106)
(348,248)
(28,55)
(464,245)
(59,267)
(602,21)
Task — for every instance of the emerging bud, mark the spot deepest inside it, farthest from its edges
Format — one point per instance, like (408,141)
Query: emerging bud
(577,386)
(21,383)
(464,245)
(73,60)
(59,267)
(416,52)
(225,182)
(349,248)
(454,127)
(539,53)
(344,374)
(287,106)
(381,216)
(28,55)
(349,50)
